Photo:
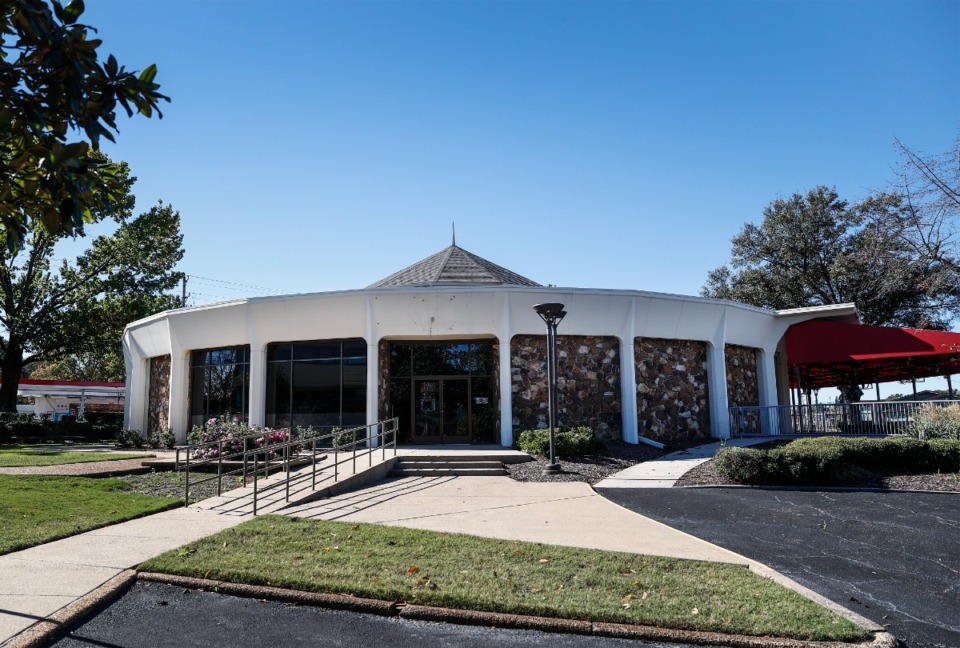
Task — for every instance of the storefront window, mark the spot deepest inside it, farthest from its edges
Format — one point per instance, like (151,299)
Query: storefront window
(219,384)
(318,383)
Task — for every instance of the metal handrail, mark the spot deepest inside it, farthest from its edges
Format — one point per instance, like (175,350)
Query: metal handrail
(290,452)
(886,418)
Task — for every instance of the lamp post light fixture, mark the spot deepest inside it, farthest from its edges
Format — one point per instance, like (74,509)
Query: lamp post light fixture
(551,314)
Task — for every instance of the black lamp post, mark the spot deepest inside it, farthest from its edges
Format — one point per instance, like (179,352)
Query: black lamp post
(552,314)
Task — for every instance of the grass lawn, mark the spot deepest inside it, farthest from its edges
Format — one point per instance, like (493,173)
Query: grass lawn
(35,509)
(15,456)
(468,572)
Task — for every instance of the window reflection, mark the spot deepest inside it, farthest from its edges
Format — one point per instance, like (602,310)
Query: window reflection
(219,384)
(464,365)
(317,383)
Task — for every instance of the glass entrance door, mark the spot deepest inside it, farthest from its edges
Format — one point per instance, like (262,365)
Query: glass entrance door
(456,410)
(441,410)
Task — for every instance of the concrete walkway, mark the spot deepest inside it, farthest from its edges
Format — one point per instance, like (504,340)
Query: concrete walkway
(38,582)
(665,471)
(565,513)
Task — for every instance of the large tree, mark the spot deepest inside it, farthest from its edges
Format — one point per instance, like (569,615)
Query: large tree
(57,99)
(51,312)
(921,212)
(817,249)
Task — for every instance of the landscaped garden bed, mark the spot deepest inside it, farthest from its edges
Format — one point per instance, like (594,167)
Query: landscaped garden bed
(583,457)
(892,462)
(468,572)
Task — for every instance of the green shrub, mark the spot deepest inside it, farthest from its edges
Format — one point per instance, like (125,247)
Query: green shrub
(569,444)
(343,439)
(129,439)
(161,440)
(826,461)
(945,455)
(25,429)
(933,422)
(744,465)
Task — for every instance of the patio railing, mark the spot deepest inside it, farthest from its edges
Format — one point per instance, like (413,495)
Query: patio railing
(880,418)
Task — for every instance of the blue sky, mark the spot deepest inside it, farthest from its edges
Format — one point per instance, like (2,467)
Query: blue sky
(323,145)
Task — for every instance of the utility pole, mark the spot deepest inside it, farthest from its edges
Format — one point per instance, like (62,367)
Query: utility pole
(183,295)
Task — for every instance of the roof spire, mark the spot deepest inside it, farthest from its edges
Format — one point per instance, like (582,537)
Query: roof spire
(454,226)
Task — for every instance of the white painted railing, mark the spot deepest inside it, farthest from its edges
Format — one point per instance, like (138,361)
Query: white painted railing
(882,417)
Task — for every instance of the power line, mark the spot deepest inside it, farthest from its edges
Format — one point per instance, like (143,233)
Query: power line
(223,282)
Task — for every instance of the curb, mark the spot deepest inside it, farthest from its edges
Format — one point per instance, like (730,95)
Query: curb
(825,489)
(51,628)
(502,620)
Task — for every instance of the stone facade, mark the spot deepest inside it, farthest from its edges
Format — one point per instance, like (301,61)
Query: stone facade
(743,385)
(743,388)
(588,383)
(672,396)
(158,400)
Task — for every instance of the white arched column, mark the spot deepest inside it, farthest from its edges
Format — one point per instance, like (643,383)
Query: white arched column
(179,417)
(717,381)
(373,389)
(767,386)
(137,392)
(373,376)
(628,384)
(258,385)
(506,376)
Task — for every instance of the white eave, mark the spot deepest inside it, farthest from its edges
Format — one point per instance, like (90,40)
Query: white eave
(836,312)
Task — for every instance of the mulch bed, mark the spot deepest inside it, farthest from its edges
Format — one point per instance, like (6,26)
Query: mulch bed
(706,475)
(591,469)
(170,484)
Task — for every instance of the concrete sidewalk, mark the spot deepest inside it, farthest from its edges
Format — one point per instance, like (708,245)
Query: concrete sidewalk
(665,471)
(562,513)
(38,582)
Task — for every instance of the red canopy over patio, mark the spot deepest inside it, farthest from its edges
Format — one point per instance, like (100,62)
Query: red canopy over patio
(827,354)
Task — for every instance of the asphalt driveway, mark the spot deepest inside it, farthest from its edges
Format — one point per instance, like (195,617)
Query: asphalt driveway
(152,615)
(892,557)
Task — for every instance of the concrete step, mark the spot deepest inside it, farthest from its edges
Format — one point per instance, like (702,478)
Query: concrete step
(412,464)
(466,466)
(448,472)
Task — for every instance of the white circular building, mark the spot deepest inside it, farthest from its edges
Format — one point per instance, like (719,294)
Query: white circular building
(451,346)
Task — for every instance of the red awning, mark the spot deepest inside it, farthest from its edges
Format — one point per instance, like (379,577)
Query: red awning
(829,353)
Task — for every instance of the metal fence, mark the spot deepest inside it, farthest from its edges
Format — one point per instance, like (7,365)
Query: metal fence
(256,456)
(882,418)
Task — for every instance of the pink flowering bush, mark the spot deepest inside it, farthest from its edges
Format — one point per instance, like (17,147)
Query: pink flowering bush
(231,434)
(272,437)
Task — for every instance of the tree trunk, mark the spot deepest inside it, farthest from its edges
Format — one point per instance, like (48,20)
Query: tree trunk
(11,370)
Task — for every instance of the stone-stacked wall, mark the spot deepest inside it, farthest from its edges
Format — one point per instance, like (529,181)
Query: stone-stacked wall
(672,397)
(743,387)
(588,383)
(158,399)
(742,384)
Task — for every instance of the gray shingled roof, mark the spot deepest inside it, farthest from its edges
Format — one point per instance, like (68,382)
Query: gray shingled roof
(455,266)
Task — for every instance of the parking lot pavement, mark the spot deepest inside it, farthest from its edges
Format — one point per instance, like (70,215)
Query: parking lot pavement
(152,615)
(892,557)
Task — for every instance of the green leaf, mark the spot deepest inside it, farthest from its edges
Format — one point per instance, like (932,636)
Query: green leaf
(73,11)
(148,73)
(51,219)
